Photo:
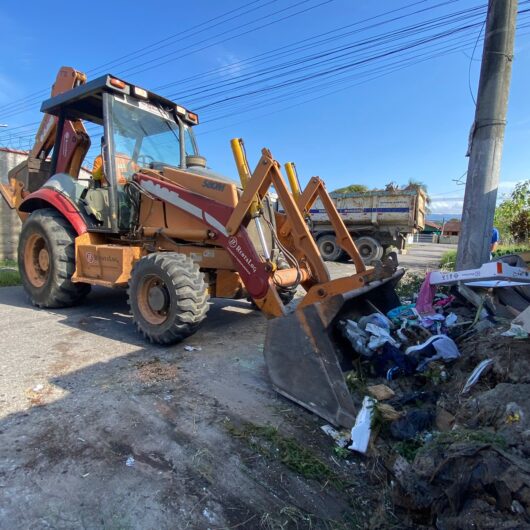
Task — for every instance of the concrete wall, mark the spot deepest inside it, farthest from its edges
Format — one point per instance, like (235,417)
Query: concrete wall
(453,240)
(9,221)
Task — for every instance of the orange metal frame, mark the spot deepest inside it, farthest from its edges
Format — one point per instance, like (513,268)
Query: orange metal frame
(319,286)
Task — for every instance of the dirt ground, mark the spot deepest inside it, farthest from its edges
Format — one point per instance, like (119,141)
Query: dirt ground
(100,430)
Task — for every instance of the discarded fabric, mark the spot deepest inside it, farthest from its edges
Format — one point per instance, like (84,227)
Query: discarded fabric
(403,312)
(391,358)
(379,336)
(426,297)
(413,423)
(438,347)
(357,337)
(450,320)
(377,319)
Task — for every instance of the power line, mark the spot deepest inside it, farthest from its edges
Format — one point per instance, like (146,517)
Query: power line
(38,95)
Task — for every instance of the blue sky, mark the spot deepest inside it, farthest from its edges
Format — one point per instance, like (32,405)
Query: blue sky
(358,126)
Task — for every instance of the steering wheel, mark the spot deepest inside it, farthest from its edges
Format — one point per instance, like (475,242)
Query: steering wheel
(144,160)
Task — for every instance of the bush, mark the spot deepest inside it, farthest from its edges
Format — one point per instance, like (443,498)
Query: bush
(448,260)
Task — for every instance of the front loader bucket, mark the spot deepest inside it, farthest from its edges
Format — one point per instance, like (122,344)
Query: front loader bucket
(306,356)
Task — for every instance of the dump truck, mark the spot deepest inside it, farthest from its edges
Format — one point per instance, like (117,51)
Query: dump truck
(174,234)
(376,221)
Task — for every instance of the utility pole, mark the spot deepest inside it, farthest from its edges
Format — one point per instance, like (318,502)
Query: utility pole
(487,135)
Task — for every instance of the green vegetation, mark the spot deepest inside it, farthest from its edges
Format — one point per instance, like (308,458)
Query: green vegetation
(409,448)
(353,188)
(409,285)
(9,273)
(448,260)
(267,441)
(464,435)
(512,216)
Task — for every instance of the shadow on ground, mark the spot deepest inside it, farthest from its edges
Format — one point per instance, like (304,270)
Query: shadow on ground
(127,435)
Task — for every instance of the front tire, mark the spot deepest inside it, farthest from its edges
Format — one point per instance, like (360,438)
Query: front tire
(168,297)
(46,260)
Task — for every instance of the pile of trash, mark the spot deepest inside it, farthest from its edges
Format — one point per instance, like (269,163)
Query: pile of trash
(443,386)
(409,338)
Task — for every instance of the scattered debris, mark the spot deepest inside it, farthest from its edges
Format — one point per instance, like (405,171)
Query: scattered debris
(341,439)
(516,331)
(456,456)
(380,392)
(188,347)
(360,433)
(413,423)
(523,319)
(476,373)
(444,420)
(388,412)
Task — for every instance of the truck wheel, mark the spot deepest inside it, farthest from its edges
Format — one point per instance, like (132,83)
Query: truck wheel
(168,297)
(46,260)
(329,249)
(369,248)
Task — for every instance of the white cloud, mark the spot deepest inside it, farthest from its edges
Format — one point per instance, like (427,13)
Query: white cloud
(452,205)
(231,65)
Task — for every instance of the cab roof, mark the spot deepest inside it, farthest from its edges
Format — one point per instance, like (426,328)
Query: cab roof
(86,101)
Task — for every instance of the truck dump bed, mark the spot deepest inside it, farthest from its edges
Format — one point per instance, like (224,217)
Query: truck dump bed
(403,208)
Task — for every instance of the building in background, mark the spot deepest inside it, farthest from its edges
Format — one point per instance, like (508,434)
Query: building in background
(9,221)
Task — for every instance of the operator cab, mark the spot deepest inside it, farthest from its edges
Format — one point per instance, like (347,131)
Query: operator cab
(141,130)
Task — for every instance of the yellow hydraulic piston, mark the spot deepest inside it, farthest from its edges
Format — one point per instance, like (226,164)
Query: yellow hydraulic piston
(238,148)
(292,175)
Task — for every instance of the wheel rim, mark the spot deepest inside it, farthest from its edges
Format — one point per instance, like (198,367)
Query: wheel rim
(328,248)
(366,251)
(37,260)
(153,300)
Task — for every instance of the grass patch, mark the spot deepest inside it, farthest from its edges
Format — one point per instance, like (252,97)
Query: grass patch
(267,441)
(466,436)
(448,260)
(9,273)
(408,449)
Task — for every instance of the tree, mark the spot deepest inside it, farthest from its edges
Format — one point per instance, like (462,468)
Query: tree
(353,188)
(512,216)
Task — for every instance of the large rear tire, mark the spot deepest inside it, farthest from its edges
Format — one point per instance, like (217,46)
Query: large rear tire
(369,248)
(46,260)
(329,248)
(168,297)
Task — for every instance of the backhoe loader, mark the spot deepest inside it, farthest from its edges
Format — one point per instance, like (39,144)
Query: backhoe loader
(175,234)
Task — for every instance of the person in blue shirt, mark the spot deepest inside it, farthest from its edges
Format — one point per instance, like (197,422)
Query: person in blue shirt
(495,237)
